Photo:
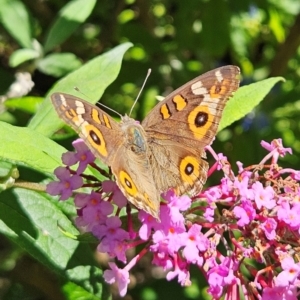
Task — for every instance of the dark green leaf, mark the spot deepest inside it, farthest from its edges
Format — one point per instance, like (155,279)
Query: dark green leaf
(15,19)
(30,220)
(69,18)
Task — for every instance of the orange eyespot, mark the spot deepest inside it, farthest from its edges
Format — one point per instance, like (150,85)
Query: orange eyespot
(127,183)
(189,169)
(200,119)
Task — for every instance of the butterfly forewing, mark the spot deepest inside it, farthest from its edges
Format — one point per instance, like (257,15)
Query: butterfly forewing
(99,131)
(191,114)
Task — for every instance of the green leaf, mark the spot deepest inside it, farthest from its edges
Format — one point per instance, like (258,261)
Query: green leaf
(27,104)
(245,99)
(15,19)
(8,175)
(92,78)
(21,55)
(23,146)
(5,169)
(30,220)
(59,64)
(69,18)
(126,15)
(8,118)
(216,27)
(74,292)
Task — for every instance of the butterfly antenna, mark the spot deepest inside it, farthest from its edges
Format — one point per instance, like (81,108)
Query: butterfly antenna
(99,103)
(148,74)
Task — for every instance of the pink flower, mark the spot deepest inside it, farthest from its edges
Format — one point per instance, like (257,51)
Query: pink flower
(83,155)
(120,276)
(242,185)
(216,282)
(148,224)
(113,238)
(181,271)
(176,205)
(226,186)
(182,203)
(295,175)
(170,241)
(291,271)
(193,242)
(264,197)
(114,248)
(289,215)
(279,293)
(269,227)
(81,199)
(66,184)
(245,213)
(111,187)
(213,194)
(222,275)
(209,212)
(276,145)
(94,212)
(111,229)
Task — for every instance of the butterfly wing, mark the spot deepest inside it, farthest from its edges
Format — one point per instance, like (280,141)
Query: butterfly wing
(100,132)
(179,127)
(108,140)
(178,167)
(134,177)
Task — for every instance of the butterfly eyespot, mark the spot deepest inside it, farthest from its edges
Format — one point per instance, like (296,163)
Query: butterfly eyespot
(199,120)
(95,138)
(217,90)
(128,184)
(189,169)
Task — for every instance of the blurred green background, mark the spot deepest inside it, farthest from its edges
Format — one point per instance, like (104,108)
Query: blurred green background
(178,40)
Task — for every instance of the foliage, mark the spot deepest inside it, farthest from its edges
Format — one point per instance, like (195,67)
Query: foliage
(179,42)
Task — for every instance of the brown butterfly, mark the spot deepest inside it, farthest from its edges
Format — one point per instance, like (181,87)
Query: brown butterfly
(167,149)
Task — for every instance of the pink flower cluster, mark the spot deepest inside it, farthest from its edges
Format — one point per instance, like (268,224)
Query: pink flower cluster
(248,218)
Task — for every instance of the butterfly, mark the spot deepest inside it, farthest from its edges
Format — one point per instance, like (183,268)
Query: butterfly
(165,151)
